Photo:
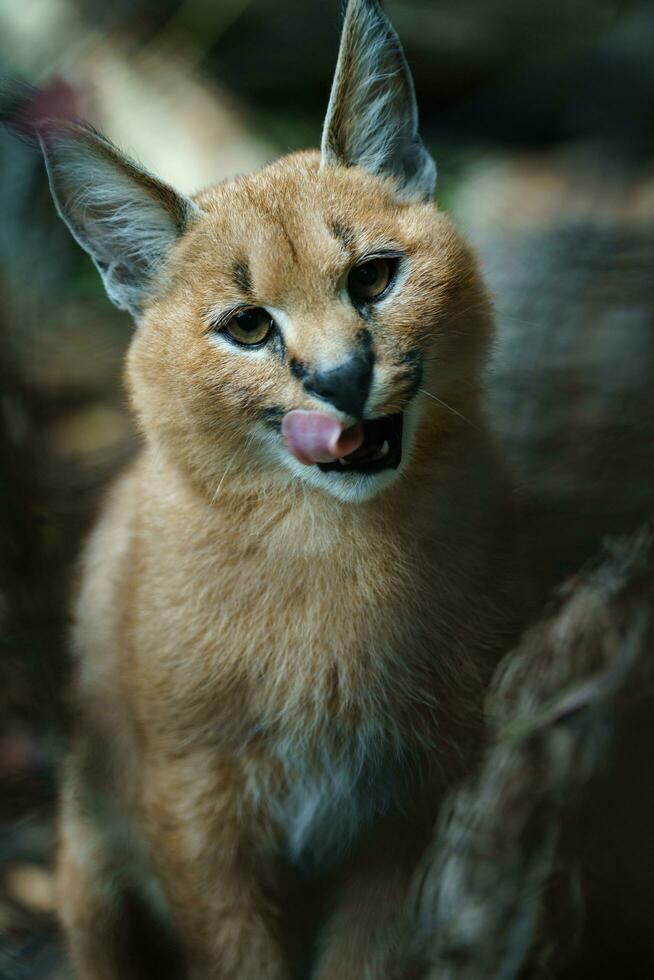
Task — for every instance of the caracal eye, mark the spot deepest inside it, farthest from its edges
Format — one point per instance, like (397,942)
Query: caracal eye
(369,280)
(249,327)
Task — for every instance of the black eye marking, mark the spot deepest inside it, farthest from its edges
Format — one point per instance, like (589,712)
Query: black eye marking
(365,339)
(279,346)
(242,278)
(411,356)
(413,375)
(273,417)
(342,234)
(298,370)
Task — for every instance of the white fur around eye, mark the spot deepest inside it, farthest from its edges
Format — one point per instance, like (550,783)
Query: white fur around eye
(218,339)
(284,323)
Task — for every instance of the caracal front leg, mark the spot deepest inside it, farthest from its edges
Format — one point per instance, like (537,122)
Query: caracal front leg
(224,895)
(366,936)
(114,927)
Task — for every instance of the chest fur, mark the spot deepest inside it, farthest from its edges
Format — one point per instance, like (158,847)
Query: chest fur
(331,794)
(292,629)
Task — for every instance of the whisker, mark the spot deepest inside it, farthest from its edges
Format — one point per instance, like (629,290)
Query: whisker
(445,405)
(239,452)
(222,479)
(473,308)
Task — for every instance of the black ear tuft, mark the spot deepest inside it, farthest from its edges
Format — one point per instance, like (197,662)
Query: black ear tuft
(15,100)
(26,111)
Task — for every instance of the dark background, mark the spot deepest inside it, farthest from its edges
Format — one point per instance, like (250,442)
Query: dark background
(541,118)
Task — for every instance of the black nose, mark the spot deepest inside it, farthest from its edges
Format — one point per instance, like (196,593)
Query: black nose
(346,386)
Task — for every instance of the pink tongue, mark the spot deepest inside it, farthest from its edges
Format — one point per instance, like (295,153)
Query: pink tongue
(314,437)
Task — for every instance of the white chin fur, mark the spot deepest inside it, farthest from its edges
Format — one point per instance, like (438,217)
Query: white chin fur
(350,487)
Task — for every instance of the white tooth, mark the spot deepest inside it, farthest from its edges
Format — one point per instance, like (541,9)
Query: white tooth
(384,449)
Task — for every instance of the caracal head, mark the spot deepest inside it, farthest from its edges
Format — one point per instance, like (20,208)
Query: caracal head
(288,322)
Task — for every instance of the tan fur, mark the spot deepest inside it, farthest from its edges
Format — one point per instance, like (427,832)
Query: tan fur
(281,667)
(250,645)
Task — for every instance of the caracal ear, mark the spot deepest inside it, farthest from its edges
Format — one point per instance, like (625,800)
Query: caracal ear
(372,117)
(126,219)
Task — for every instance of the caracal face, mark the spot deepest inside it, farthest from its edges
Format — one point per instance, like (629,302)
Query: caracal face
(305,288)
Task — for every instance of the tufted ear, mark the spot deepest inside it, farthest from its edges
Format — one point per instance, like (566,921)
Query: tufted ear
(372,117)
(125,218)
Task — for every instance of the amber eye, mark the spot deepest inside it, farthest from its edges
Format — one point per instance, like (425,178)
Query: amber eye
(249,327)
(370,279)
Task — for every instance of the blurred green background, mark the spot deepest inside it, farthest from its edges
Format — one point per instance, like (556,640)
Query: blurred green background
(541,118)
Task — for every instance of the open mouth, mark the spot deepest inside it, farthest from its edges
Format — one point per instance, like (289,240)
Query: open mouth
(380,450)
